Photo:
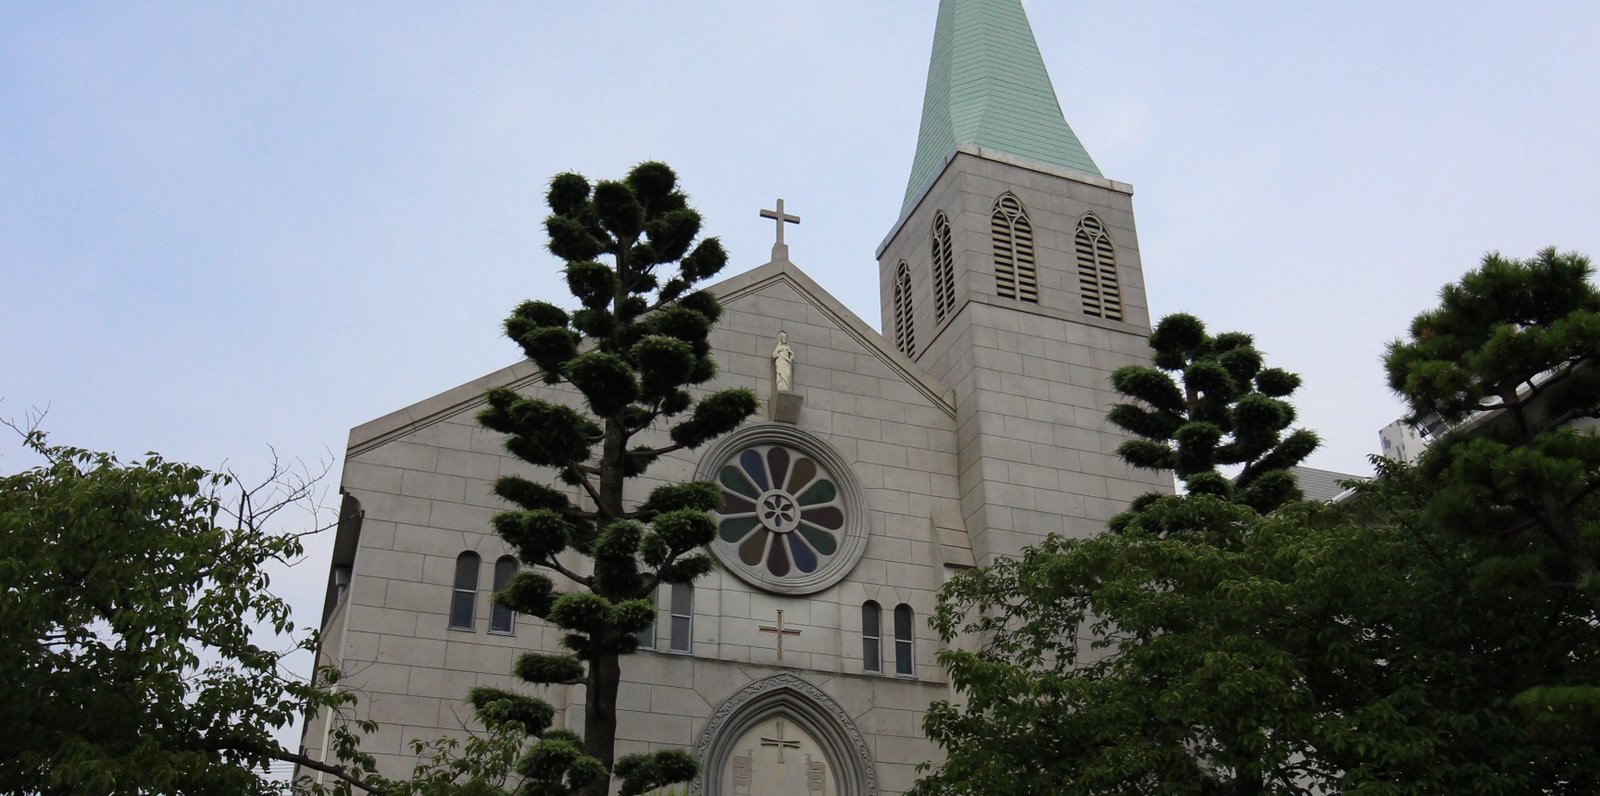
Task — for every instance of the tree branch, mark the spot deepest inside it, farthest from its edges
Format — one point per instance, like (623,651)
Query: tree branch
(655,451)
(552,563)
(577,472)
(341,772)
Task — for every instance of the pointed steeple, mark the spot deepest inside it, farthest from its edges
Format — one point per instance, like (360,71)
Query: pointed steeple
(987,86)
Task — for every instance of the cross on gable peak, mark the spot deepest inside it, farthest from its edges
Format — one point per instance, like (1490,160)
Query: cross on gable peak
(780,250)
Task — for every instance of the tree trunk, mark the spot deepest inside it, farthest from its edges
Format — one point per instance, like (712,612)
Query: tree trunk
(600,717)
(605,670)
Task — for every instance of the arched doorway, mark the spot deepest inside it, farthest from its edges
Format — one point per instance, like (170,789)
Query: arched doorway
(783,736)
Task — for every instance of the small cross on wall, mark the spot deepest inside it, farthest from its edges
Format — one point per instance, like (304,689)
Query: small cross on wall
(779,741)
(781,631)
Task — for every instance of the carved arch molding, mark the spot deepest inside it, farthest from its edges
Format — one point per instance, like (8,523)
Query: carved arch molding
(789,697)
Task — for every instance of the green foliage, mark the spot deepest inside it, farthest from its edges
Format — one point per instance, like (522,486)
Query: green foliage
(1206,648)
(1511,357)
(644,773)
(1438,633)
(1208,403)
(1511,353)
(633,351)
(125,629)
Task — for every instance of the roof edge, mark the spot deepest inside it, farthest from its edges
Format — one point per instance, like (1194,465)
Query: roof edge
(996,156)
(470,395)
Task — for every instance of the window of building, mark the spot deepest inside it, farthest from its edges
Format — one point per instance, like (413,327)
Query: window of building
(647,636)
(905,332)
(871,638)
(944,268)
(1097,270)
(1015,274)
(501,618)
(902,640)
(464,596)
(682,610)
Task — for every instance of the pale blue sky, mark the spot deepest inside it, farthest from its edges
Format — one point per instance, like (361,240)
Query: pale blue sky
(229,225)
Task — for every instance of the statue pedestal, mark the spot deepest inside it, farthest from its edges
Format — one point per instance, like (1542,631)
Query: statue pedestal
(785,406)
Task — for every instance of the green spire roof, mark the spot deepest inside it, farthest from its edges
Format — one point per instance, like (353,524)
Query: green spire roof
(987,86)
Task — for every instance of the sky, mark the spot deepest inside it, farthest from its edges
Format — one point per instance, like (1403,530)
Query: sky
(229,226)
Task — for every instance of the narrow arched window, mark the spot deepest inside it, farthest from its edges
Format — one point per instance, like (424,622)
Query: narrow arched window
(502,618)
(902,640)
(905,332)
(682,611)
(1097,270)
(871,638)
(1015,274)
(464,595)
(944,268)
(647,636)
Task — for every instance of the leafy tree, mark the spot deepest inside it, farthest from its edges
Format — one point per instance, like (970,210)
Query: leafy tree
(1208,403)
(636,343)
(1179,691)
(130,593)
(1233,641)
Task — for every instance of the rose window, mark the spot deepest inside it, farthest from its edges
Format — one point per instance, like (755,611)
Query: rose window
(793,518)
(782,511)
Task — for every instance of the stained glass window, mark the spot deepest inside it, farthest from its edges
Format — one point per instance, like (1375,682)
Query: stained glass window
(781,510)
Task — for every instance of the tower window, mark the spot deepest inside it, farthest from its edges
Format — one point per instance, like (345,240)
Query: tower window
(464,595)
(1015,275)
(905,333)
(944,268)
(682,617)
(1097,270)
(871,638)
(902,640)
(502,618)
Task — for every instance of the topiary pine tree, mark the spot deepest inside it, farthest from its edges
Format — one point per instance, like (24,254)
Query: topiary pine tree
(1209,403)
(632,349)
(1519,341)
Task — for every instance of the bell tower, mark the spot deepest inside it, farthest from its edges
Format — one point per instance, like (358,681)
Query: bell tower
(1013,276)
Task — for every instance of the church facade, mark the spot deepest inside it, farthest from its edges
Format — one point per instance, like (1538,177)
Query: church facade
(971,427)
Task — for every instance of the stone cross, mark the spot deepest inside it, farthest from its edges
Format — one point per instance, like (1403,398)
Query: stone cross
(780,250)
(781,633)
(779,741)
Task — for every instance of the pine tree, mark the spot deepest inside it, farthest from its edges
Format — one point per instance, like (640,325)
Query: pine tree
(1511,359)
(1511,352)
(632,349)
(1208,403)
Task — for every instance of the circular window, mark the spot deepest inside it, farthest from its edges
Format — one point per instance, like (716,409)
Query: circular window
(790,510)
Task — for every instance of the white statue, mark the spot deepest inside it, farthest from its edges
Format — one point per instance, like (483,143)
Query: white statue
(783,365)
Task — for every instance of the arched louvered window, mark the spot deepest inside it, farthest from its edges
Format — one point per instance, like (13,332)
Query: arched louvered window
(905,332)
(464,594)
(1097,270)
(902,640)
(871,638)
(1015,274)
(944,269)
(502,618)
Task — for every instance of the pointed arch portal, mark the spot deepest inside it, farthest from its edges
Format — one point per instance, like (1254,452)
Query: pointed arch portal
(783,735)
